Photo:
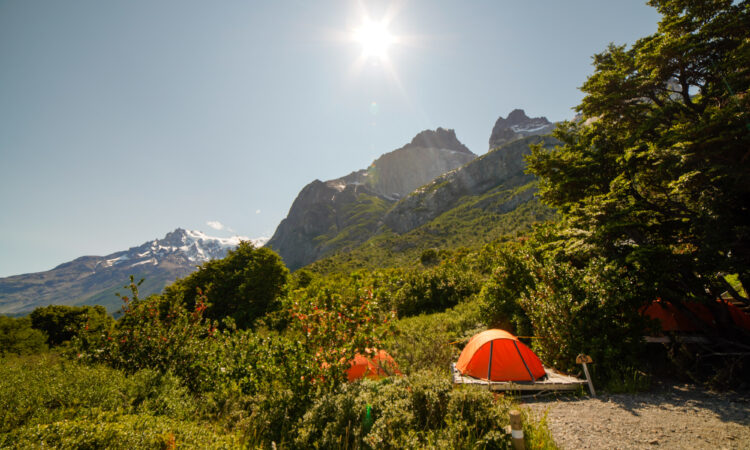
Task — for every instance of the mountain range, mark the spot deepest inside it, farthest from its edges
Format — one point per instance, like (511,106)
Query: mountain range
(433,192)
(407,188)
(91,280)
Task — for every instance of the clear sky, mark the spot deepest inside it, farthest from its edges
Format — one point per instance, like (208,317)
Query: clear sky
(122,120)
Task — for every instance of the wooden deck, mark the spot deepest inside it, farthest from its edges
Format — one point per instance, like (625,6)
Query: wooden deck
(554,381)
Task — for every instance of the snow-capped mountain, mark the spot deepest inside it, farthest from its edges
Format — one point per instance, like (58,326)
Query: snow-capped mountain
(191,246)
(95,279)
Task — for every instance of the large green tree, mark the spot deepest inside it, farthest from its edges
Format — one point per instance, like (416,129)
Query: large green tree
(60,322)
(655,176)
(245,285)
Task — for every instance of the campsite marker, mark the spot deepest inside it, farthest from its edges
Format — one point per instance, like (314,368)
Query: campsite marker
(583,359)
(516,430)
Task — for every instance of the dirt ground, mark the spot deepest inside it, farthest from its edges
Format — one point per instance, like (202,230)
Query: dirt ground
(669,416)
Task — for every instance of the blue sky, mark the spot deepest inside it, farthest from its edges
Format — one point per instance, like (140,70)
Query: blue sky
(120,121)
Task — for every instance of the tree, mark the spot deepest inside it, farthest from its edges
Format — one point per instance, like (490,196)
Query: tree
(60,323)
(17,336)
(656,174)
(245,285)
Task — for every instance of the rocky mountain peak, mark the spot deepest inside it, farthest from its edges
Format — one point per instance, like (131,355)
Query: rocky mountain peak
(439,139)
(353,206)
(516,126)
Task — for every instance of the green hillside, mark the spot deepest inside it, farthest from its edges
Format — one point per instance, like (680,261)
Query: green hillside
(477,220)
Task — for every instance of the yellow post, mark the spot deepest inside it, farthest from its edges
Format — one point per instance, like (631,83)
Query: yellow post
(516,430)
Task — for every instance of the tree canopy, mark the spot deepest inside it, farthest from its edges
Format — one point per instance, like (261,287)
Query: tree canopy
(656,173)
(244,285)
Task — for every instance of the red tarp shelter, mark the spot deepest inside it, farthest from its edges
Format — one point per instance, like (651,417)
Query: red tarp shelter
(673,319)
(497,355)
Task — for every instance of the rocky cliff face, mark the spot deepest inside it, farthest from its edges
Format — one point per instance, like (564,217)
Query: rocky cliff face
(341,213)
(327,216)
(517,126)
(503,166)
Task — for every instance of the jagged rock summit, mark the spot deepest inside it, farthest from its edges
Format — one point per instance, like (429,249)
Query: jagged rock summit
(440,138)
(517,126)
(344,212)
(95,279)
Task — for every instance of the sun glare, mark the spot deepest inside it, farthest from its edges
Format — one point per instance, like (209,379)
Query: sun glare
(375,39)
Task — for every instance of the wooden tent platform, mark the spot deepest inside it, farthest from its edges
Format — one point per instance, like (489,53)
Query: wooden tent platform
(554,381)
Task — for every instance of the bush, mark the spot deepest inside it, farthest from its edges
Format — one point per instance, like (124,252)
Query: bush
(18,337)
(590,310)
(159,334)
(435,289)
(426,341)
(501,293)
(46,388)
(245,285)
(61,323)
(420,410)
(119,431)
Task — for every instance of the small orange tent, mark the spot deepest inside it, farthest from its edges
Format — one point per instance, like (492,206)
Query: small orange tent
(497,355)
(379,365)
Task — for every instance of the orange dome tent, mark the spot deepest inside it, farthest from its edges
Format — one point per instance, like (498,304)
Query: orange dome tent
(497,355)
(381,364)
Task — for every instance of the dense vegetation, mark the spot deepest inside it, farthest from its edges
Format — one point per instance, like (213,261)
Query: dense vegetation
(649,189)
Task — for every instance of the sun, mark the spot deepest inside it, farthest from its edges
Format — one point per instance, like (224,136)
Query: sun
(375,39)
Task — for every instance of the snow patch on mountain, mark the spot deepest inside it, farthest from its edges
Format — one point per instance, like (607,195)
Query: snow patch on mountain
(191,246)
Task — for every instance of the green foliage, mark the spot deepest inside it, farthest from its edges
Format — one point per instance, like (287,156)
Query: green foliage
(656,175)
(501,293)
(336,327)
(429,257)
(119,431)
(18,337)
(434,289)
(588,310)
(245,285)
(473,222)
(430,341)
(46,389)
(422,410)
(61,323)
(158,334)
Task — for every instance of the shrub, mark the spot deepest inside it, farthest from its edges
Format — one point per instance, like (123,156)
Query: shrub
(435,289)
(500,295)
(61,323)
(420,410)
(113,430)
(159,334)
(425,341)
(245,285)
(46,388)
(589,310)
(18,337)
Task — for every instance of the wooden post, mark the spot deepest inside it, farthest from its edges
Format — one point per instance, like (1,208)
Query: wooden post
(583,359)
(516,430)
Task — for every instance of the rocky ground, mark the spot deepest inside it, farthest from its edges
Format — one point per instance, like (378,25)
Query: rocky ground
(669,416)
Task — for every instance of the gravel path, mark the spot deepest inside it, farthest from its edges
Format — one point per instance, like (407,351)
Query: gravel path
(675,416)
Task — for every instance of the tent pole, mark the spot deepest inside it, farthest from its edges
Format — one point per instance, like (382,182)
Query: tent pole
(533,380)
(489,366)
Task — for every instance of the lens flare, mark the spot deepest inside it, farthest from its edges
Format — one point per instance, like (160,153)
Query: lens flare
(375,39)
